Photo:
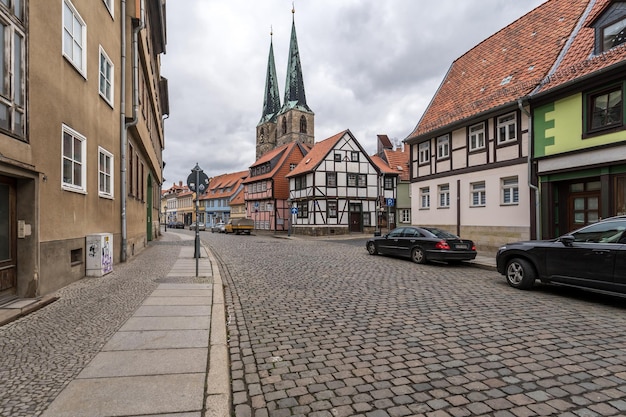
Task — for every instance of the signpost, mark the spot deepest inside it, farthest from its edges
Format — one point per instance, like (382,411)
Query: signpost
(197,182)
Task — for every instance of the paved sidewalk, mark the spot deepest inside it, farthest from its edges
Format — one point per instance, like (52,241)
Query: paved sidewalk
(169,359)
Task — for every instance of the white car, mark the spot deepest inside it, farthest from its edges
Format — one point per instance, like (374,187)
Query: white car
(218,227)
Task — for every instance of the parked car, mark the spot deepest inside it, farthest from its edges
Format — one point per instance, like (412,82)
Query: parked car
(218,227)
(201,226)
(422,244)
(176,225)
(593,257)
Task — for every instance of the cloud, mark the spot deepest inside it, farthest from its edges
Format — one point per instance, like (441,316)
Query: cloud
(371,67)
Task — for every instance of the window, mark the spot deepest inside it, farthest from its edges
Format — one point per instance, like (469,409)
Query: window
(337,157)
(109,6)
(292,167)
(443,147)
(510,190)
(131,170)
(388,183)
(303,124)
(425,197)
(605,109)
(477,137)
(507,128)
(362,180)
(303,209)
(73,164)
(74,37)
(284,125)
(332,209)
(105,173)
(331,179)
(424,151)
(300,182)
(444,195)
(106,77)
(351,180)
(354,156)
(479,195)
(405,216)
(12,81)
(614,35)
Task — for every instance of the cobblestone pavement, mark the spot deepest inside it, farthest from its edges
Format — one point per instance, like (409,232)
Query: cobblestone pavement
(43,351)
(320,328)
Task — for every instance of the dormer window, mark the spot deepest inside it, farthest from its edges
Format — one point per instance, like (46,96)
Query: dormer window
(614,34)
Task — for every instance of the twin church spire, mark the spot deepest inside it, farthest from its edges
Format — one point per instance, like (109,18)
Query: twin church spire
(293,121)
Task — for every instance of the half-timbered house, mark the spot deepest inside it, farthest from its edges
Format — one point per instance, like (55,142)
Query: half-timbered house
(334,189)
(470,152)
(222,189)
(266,189)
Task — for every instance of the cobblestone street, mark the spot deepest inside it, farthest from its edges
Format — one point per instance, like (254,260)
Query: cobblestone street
(321,328)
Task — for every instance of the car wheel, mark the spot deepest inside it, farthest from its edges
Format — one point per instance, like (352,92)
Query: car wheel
(371,248)
(520,274)
(418,256)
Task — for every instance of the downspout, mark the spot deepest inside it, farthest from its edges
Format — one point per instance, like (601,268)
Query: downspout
(125,125)
(529,164)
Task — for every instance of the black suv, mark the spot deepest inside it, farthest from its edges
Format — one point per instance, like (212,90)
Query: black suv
(593,257)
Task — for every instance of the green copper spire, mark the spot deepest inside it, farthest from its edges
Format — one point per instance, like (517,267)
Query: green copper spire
(294,86)
(271,101)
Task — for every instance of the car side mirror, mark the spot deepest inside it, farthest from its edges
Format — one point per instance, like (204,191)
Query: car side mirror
(567,240)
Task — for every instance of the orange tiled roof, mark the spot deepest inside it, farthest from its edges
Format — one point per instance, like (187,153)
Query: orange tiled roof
(504,67)
(382,165)
(398,161)
(579,60)
(238,198)
(222,182)
(316,155)
(282,152)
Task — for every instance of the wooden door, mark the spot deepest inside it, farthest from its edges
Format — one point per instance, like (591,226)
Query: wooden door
(8,237)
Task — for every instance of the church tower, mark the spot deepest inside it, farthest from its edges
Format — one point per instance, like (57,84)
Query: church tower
(295,120)
(266,128)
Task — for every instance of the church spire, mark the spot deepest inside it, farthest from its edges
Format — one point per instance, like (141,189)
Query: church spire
(271,101)
(294,86)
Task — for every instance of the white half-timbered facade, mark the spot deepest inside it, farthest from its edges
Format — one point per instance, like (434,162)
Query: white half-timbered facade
(334,189)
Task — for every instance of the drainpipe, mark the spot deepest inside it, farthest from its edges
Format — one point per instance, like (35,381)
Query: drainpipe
(125,125)
(529,163)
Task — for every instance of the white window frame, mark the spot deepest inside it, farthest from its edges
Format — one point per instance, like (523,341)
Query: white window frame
(77,36)
(104,78)
(509,191)
(444,195)
(425,198)
(71,158)
(109,4)
(405,216)
(424,152)
(108,176)
(478,195)
(477,137)
(443,147)
(507,128)
(12,77)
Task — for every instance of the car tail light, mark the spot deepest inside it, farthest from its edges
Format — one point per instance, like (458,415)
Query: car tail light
(473,247)
(442,244)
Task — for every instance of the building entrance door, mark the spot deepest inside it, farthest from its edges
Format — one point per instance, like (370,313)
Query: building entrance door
(8,238)
(355,217)
(584,209)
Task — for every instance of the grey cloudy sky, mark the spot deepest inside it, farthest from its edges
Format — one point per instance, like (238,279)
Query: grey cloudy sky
(368,66)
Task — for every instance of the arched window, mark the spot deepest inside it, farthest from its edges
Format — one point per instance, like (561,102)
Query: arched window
(262,135)
(302,124)
(284,125)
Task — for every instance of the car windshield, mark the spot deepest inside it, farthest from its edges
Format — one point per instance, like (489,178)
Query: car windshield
(602,232)
(440,233)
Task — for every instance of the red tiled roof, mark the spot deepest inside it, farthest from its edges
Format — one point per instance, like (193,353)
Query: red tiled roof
(504,67)
(218,185)
(579,60)
(282,152)
(398,161)
(316,155)
(382,165)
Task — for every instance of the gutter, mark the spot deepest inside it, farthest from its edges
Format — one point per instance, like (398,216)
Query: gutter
(124,124)
(532,186)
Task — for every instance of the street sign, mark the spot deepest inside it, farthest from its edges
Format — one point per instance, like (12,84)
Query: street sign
(391,202)
(294,210)
(203,180)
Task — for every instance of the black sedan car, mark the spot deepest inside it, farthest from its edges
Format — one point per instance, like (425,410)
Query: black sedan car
(422,244)
(593,257)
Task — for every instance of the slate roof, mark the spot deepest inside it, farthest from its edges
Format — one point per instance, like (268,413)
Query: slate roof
(508,65)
